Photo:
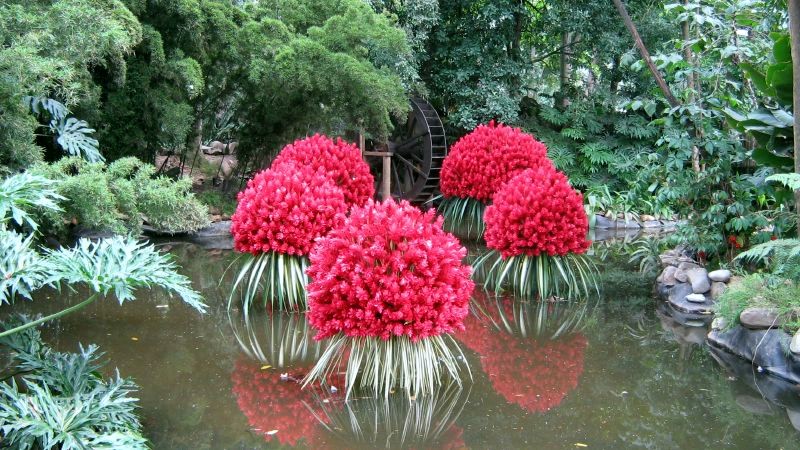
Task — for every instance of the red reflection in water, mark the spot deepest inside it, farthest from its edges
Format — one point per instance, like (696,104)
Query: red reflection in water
(270,404)
(535,374)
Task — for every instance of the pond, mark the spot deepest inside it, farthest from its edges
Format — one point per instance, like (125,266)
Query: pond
(616,373)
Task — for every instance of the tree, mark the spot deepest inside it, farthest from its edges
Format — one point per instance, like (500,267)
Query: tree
(794,35)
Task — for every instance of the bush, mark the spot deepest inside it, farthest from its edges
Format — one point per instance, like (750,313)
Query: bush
(758,290)
(120,197)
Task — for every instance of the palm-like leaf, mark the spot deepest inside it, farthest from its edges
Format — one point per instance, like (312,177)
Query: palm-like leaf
(74,137)
(463,216)
(278,338)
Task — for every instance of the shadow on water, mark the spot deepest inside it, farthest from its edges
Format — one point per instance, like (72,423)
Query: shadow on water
(617,373)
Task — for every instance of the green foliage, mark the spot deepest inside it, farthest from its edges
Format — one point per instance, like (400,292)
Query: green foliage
(120,196)
(22,269)
(462,216)
(226,204)
(57,45)
(22,193)
(781,257)
(646,252)
(61,402)
(71,134)
(757,290)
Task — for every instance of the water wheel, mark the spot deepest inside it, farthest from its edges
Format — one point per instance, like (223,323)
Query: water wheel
(417,147)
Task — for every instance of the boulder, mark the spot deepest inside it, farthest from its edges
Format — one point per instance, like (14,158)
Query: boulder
(681,276)
(794,346)
(758,318)
(698,277)
(627,224)
(602,222)
(696,298)
(722,275)
(687,265)
(717,289)
(651,224)
(719,323)
(668,276)
(647,218)
(794,418)
(216,148)
(232,148)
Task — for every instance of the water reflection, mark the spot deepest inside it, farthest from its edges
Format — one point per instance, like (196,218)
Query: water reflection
(277,338)
(397,422)
(532,353)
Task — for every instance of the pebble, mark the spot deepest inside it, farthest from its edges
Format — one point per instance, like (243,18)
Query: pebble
(696,298)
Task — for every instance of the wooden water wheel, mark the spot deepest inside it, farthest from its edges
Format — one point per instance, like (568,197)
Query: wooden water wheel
(413,155)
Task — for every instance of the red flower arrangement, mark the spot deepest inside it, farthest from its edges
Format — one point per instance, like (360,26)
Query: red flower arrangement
(340,160)
(537,212)
(535,374)
(485,159)
(388,270)
(284,210)
(274,406)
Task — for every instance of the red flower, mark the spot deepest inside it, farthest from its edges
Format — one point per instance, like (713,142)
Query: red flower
(537,212)
(273,406)
(535,374)
(340,160)
(485,159)
(285,210)
(388,270)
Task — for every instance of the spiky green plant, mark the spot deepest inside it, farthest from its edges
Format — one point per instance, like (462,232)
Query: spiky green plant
(21,193)
(397,421)
(277,338)
(646,252)
(380,365)
(119,265)
(569,276)
(59,401)
(462,216)
(22,270)
(280,279)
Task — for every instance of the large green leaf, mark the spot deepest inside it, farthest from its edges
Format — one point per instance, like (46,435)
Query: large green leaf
(767,158)
(782,49)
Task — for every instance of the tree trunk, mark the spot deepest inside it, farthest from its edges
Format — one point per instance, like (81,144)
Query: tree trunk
(645,54)
(566,67)
(692,83)
(794,35)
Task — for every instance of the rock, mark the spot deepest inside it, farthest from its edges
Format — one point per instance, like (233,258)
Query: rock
(647,218)
(668,276)
(651,224)
(719,323)
(232,147)
(626,224)
(681,276)
(216,148)
(687,265)
(722,275)
(794,418)
(602,222)
(757,318)
(696,298)
(698,277)
(794,346)
(717,288)
(753,404)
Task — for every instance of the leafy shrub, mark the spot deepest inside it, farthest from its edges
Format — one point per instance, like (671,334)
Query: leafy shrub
(120,196)
(61,402)
(757,290)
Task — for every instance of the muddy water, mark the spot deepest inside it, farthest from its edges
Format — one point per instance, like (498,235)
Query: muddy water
(617,373)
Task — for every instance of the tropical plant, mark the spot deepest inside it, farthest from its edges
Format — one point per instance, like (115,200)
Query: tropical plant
(58,400)
(22,193)
(72,135)
(646,252)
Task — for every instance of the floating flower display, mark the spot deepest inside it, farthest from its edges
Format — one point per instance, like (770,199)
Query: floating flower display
(536,231)
(478,165)
(275,404)
(532,367)
(279,215)
(389,285)
(341,161)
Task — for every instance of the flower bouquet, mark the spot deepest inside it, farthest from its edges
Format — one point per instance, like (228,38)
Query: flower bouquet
(536,231)
(306,192)
(477,166)
(388,285)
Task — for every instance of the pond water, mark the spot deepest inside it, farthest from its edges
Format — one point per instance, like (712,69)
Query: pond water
(618,373)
